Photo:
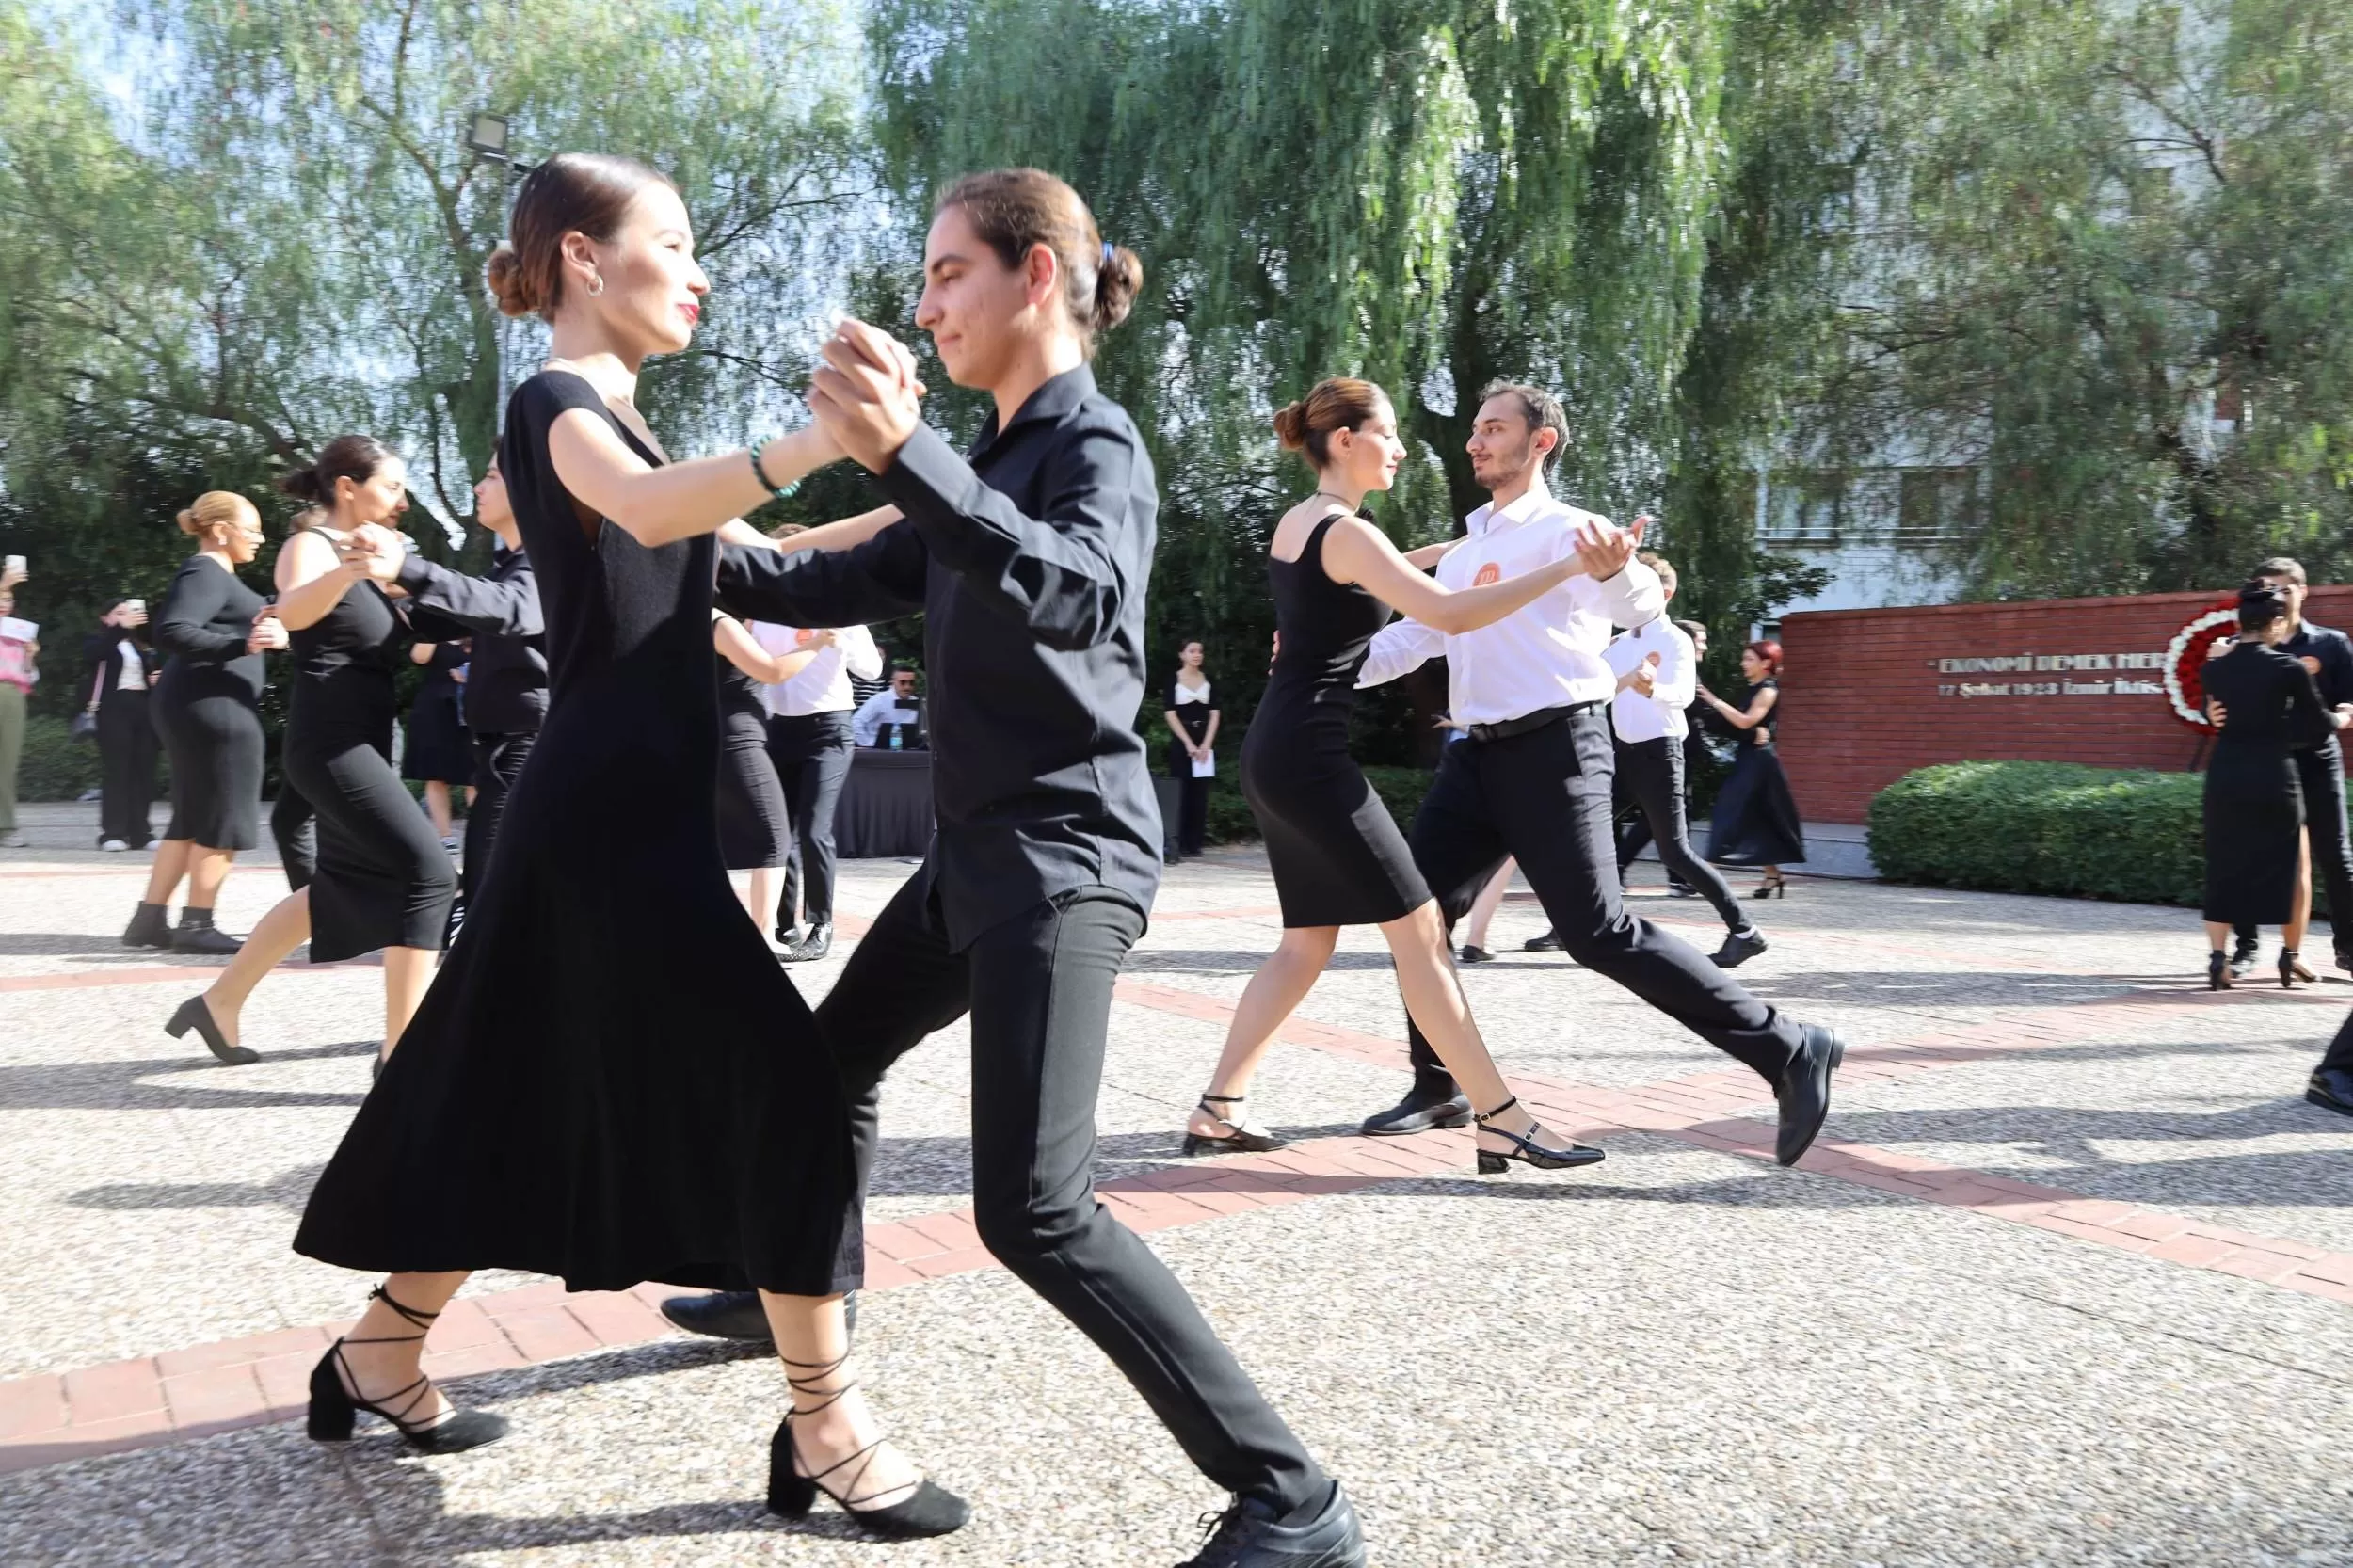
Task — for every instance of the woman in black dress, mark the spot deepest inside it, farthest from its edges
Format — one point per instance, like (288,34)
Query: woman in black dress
(436,754)
(208,713)
(383,880)
(1756,817)
(122,673)
(755,822)
(2254,805)
(1192,718)
(612,1080)
(1337,853)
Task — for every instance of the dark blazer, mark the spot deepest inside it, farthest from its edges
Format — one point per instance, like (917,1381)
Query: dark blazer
(100,651)
(507,681)
(1029,558)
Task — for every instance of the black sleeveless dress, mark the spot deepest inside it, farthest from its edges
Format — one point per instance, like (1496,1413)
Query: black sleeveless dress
(2254,807)
(207,706)
(611,1079)
(383,879)
(1755,821)
(1335,851)
(754,823)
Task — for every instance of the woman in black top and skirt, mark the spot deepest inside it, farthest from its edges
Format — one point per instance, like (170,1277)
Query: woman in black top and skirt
(1757,818)
(208,713)
(1192,722)
(1337,853)
(612,1080)
(755,821)
(383,880)
(436,754)
(2254,805)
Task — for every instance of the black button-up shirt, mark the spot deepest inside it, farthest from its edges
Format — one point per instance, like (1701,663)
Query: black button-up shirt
(1028,559)
(507,678)
(2332,651)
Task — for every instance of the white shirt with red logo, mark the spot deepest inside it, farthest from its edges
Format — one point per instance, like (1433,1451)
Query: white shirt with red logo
(1550,654)
(824,685)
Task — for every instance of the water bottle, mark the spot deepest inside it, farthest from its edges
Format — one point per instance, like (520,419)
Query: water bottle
(895,731)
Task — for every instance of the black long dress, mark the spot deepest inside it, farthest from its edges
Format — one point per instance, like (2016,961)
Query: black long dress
(382,879)
(611,1081)
(437,747)
(2254,805)
(1337,853)
(1756,821)
(207,706)
(754,823)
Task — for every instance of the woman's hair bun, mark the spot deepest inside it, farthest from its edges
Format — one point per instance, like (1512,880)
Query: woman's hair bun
(302,483)
(188,523)
(1290,426)
(509,286)
(1116,282)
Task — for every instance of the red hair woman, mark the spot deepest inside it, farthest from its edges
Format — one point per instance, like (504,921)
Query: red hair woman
(1756,817)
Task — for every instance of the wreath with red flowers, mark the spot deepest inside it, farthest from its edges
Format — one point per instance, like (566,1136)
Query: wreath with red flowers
(2185,658)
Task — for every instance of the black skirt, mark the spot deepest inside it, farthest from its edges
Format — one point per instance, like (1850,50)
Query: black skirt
(1756,817)
(212,731)
(1335,851)
(437,749)
(2254,818)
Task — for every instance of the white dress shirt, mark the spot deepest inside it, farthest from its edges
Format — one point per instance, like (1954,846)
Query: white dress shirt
(883,707)
(824,685)
(1674,686)
(1547,654)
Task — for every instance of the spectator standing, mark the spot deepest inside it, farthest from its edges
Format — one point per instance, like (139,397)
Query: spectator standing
(20,667)
(1192,718)
(809,742)
(122,670)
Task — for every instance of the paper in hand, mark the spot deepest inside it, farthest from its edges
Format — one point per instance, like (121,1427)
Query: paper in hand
(1205,767)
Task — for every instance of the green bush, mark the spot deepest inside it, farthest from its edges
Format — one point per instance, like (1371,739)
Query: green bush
(56,765)
(1230,820)
(2044,828)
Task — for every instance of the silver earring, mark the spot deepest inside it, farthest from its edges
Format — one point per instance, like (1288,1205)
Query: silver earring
(596,284)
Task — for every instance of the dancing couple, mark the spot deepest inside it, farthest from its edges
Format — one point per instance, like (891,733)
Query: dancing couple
(611,1081)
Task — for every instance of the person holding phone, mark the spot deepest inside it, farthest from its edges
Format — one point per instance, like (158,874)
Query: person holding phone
(20,669)
(123,669)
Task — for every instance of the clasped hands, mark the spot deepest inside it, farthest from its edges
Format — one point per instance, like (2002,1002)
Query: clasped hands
(865,394)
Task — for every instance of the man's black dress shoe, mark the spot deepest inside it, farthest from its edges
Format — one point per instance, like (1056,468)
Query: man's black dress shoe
(1681,889)
(787,936)
(1741,946)
(2243,956)
(2332,1088)
(1247,1535)
(1804,1092)
(735,1315)
(1548,943)
(1475,955)
(815,945)
(1419,1113)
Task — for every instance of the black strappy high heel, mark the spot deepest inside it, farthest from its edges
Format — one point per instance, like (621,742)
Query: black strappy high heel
(1526,1150)
(335,1408)
(194,1014)
(1237,1139)
(2292,969)
(2218,970)
(1774,885)
(930,1509)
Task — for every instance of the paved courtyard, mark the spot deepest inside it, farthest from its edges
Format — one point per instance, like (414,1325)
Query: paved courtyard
(2068,1280)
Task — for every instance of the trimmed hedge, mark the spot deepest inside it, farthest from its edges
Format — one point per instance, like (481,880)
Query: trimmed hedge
(2044,828)
(1230,822)
(56,766)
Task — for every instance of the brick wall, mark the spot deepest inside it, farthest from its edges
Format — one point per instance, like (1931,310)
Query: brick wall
(1868,700)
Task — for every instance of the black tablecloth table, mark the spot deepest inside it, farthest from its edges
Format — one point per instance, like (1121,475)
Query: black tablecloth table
(886,806)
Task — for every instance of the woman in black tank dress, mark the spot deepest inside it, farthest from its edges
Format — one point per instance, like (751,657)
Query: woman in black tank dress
(1337,853)
(2254,802)
(207,711)
(383,880)
(611,1079)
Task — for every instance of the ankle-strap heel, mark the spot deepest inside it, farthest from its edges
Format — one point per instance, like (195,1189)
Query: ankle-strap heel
(1526,1150)
(929,1509)
(1238,1137)
(335,1407)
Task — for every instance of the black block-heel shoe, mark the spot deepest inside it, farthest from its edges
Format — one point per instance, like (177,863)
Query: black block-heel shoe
(1526,1150)
(929,1509)
(1238,1137)
(194,1014)
(2218,970)
(2292,969)
(334,1408)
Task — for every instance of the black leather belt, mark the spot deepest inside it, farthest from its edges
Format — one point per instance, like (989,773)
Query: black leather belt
(1504,729)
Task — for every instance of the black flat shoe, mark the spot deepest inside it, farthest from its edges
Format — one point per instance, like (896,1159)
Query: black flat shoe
(2218,970)
(736,1315)
(150,927)
(1526,1150)
(206,939)
(194,1014)
(1417,1113)
(1739,947)
(334,1408)
(1548,943)
(1475,955)
(928,1508)
(1248,1536)
(2331,1088)
(1238,1136)
(1804,1092)
(818,943)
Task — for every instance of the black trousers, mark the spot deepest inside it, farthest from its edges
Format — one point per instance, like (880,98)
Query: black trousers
(1650,778)
(811,752)
(127,744)
(1039,989)
(1193,812)
(2321,773)
(497,762)
(1544,799)
(294,828)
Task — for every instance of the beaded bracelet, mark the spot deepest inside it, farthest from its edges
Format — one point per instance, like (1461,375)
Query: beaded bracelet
(775,493)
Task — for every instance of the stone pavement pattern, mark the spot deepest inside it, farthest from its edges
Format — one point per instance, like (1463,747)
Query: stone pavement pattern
(2067,1281)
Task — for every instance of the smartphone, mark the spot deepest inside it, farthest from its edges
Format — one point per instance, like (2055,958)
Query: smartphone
(12,564)
(137,604)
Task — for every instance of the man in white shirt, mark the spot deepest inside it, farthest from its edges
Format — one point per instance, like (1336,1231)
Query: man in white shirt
(883,712)
(1657,671)
(1532,776)
(809,741)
